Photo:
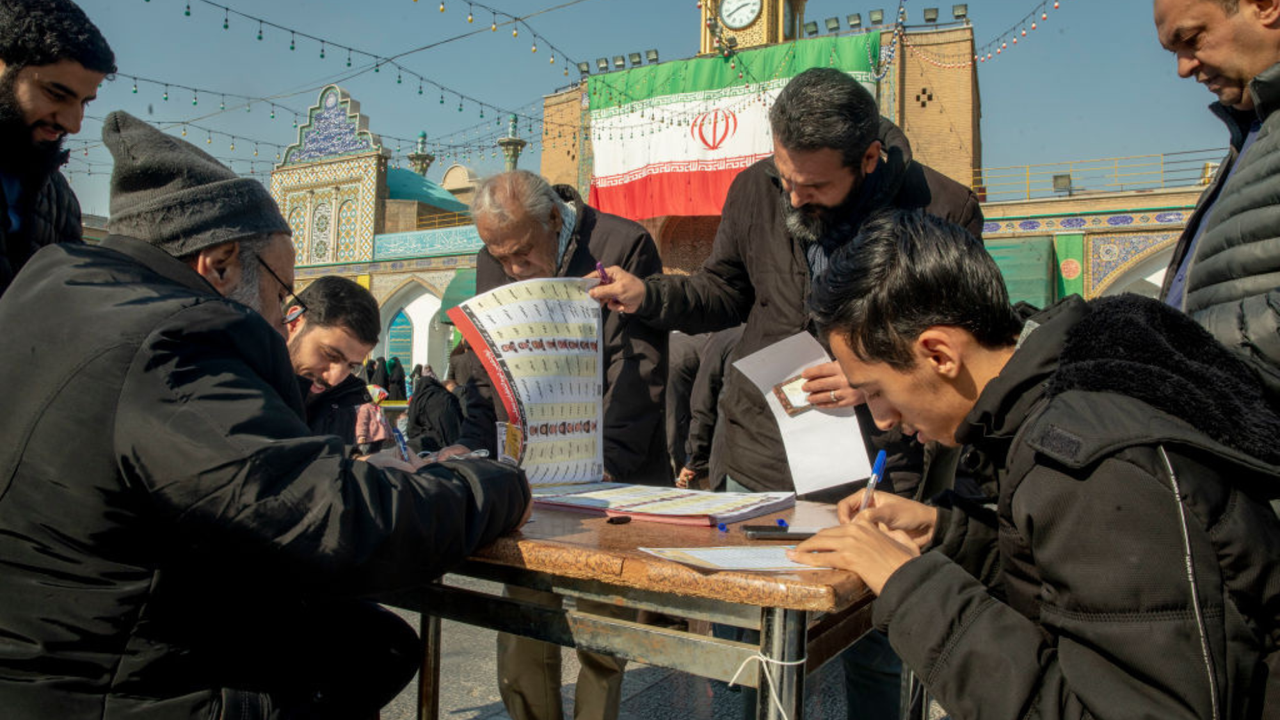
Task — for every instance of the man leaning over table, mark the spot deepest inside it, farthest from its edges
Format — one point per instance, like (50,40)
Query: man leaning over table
(174,541)
(533,230)
(1131,565)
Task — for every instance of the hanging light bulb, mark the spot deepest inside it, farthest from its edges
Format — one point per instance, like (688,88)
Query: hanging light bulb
(233,143)
(195,98)
(187,12)
(135,87)
(493,27)
(321,49)
(470,17)
(348,57)
(534,48)
(515,32)
(184,131)
(259,30)
(292,44)
(441,5)
(166,93)
(226,19)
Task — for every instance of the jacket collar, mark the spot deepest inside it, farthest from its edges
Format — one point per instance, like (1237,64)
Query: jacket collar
(572,198)
(160,262)
(1265,89)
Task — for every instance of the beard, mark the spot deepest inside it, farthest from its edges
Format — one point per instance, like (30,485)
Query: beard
(810,223)
(23,156)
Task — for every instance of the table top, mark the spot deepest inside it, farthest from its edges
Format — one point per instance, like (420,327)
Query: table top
(584,546)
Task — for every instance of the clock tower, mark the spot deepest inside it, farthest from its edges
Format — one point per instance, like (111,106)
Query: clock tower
(749,23)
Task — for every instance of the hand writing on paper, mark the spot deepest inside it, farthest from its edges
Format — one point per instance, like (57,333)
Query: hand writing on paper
(871,552)
(391,459)
(916,521)
(828,387)
(623,294)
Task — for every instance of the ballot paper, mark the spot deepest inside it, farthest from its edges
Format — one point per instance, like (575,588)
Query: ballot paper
(539,341)
(824,447)
(764,558)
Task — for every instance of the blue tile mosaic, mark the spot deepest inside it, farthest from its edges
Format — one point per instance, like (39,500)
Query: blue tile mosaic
(333,131)
(462,240)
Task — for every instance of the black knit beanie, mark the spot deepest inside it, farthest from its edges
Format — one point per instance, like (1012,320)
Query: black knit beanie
(167,192)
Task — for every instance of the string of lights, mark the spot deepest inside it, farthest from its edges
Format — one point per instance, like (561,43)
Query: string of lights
(1017,31)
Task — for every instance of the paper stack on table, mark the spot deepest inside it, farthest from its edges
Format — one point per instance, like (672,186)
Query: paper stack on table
(659,504)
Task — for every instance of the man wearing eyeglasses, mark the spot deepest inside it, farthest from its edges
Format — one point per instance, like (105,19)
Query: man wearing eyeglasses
(174,540)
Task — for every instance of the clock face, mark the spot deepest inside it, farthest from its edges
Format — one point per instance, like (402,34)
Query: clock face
(737,14)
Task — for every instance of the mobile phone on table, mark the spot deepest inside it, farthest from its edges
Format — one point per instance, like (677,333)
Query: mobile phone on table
(774,532)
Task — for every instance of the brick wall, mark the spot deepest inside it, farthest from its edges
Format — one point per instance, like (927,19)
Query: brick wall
(939,106)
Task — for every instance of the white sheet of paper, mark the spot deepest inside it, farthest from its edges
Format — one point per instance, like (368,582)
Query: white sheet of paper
(824,447)
(764,558)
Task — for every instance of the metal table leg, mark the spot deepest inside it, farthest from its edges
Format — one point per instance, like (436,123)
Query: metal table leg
(429,677)
(782,640)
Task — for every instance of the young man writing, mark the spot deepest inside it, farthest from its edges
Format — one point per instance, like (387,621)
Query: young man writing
(1129,568)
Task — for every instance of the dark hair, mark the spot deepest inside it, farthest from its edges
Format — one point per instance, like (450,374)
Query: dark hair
(905,272)
(338,302)
(825,108)
(43,32)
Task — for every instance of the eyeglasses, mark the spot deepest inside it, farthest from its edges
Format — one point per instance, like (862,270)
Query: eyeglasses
(293,299)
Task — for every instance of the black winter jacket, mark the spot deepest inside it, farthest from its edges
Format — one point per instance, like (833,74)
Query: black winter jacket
(49,215)
(1233,282)
(435,416)
(635,354)
(333,412)
(758,274)
(130,555)
(1131,568)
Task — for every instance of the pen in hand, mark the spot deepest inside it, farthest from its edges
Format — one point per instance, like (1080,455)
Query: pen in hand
(877,471)
(604,276)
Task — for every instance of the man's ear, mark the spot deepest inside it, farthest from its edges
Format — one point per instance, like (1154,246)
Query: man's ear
(220,265)
(938,349)
(557,220)
(295,322)
(1267,11)
(871,158)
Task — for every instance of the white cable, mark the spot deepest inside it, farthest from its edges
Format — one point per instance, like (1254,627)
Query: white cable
(768,677)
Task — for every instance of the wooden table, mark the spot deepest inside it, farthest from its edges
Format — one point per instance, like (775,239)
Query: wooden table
(809,616)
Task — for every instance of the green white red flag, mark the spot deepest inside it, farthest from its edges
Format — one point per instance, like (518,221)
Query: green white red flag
(668,139)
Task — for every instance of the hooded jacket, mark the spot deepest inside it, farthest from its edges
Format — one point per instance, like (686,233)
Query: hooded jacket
(133,556)
(635,354)
(1232,287)
(1131,567)
(759,275)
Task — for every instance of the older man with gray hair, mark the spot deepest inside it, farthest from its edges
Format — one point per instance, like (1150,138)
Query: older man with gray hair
(533,230)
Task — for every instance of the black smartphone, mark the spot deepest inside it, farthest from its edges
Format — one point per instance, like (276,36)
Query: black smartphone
(774,532)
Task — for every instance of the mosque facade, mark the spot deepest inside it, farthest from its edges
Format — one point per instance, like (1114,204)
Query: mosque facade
(409,240)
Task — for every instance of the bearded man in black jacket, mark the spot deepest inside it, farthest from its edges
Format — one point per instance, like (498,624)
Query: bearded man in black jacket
(52,60)
(199,553)
(332,325)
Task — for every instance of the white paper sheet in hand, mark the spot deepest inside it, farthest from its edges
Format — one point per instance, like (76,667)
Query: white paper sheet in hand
(824,447)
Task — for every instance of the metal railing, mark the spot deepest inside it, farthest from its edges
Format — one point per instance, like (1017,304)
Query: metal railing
(1186,169)
(444,220)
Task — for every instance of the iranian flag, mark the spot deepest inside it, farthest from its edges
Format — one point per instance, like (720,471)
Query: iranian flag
(669,139)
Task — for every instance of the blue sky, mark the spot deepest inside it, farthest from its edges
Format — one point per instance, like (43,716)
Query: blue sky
(1091,82)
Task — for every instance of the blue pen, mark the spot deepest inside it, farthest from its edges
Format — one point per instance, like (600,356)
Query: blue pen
(876,471)
(782,523)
